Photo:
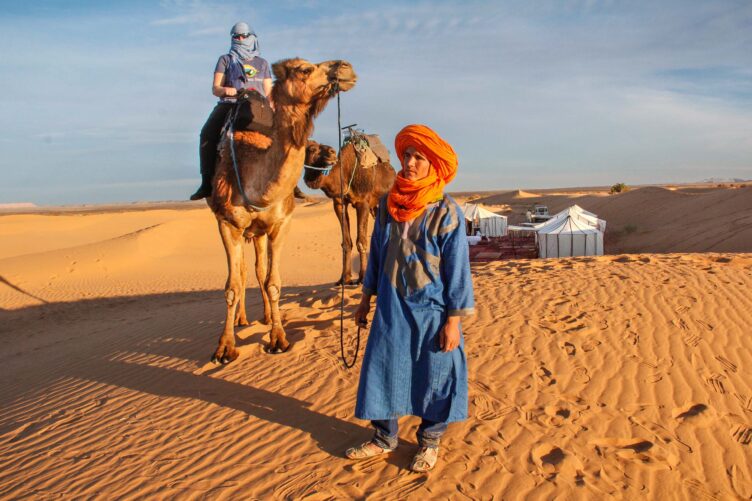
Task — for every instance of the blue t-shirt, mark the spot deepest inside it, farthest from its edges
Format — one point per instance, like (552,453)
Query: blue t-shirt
(256,71)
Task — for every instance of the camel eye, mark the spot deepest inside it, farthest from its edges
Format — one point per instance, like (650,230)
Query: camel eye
(305,71)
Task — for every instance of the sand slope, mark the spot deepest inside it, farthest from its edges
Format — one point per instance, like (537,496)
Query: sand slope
(628,376)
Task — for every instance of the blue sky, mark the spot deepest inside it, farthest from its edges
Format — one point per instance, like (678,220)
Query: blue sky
(103,102)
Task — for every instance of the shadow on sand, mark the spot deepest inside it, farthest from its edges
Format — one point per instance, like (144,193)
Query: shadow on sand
(66,339)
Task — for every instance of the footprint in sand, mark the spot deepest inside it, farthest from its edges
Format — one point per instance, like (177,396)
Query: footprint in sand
(698,490)
(590,345)
(690,339)
(741,433)
(488,408)
(740,482)
(581,375)
(645,452)
(633,338)
(728,365)
(551,460)
(745,401)
(545,376)
(560,413)
(715,381)
(569,348)
(708,327)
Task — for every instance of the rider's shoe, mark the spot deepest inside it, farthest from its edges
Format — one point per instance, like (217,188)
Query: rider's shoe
(203,191)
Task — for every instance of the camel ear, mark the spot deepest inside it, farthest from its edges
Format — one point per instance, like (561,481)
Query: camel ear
(280,69)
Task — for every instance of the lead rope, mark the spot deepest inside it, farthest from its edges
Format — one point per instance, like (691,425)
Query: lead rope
(344,256)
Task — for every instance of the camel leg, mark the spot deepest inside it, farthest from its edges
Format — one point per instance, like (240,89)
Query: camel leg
(277,337)
(232,238)
(262,262)
(362,210)
(346,240)
(240,316)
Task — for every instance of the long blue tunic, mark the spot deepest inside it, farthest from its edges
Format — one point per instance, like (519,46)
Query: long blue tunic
(420,273)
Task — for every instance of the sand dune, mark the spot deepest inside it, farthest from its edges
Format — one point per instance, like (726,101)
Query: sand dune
(626,376)
(524,194)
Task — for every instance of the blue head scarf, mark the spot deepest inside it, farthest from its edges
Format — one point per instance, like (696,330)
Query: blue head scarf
(246,48)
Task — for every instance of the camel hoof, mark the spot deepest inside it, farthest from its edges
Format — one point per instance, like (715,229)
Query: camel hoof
(226,357)
(276,350)
(354,283)
(242,322)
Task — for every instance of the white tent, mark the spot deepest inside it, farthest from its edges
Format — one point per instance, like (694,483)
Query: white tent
(572,232)
(489,223)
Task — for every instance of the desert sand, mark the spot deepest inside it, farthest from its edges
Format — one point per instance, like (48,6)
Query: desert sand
(627,375)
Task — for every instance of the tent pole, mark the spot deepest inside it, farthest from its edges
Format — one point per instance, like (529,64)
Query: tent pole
(571,243)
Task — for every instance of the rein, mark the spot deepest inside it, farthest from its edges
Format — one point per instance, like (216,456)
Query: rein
(344,256)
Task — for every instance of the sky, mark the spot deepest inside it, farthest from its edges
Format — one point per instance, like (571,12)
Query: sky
(102,102)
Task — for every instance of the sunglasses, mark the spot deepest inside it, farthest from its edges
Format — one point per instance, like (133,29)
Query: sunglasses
(240,35)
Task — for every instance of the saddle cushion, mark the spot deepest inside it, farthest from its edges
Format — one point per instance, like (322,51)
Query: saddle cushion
(252,138)
(254,121)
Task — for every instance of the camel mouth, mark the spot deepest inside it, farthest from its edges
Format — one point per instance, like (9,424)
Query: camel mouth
(341,75)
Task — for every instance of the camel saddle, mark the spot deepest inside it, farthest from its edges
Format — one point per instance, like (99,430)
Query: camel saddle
(374,142)
(253,120)
(369,149)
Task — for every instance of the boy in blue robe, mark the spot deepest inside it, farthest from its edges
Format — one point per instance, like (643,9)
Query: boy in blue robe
(419,270)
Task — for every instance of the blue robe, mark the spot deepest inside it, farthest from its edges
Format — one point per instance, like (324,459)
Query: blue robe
(420,275)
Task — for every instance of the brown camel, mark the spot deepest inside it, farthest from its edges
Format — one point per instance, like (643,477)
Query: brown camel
(367,187)
(269,168)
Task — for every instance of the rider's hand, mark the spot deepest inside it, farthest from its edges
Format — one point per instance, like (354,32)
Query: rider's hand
(231,92)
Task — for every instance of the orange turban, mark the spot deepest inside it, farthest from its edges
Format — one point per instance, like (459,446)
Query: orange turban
(408,199)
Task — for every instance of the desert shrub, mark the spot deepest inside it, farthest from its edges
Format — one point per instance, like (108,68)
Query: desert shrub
(619,188)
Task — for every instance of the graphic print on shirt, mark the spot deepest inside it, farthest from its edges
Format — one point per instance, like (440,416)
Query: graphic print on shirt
(250,71)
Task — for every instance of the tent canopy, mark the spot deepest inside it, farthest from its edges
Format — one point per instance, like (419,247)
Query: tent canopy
(488,223)
(572,232)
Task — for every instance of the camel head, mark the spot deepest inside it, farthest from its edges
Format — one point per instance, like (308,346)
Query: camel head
(299,82)
(317,155)
(302,89)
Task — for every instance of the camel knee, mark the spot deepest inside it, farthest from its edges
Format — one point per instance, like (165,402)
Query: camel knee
(362,248)
(231,295)
(273,292)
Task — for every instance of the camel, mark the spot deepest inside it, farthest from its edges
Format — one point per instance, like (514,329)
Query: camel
(269,168)
(368,186)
